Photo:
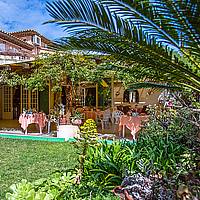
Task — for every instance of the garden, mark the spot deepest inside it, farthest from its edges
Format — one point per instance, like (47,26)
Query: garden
(143,44)
(31,160)
(162,164)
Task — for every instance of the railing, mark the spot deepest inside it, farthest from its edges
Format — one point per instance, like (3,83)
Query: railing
(10,53)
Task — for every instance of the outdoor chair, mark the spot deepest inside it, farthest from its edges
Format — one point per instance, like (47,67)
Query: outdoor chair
(105,120)
(116,116)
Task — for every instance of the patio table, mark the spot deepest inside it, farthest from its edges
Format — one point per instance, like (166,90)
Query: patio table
(38,118)
(68,131)
(132,123)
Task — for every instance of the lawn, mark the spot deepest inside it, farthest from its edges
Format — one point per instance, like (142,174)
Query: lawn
(25,159)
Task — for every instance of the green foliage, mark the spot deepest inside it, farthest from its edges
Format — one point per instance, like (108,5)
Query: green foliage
(25,190)
(51,188)
(163,148)
(88,138)
(12,78)
(106,163)
(54,68)
(58,186)
(158,39)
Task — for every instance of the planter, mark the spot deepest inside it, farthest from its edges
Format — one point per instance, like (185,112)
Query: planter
(77,122)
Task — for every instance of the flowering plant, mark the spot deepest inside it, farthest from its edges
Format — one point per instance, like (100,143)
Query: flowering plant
(77,118)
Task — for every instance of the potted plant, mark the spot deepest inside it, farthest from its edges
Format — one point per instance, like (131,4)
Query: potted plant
(76,119)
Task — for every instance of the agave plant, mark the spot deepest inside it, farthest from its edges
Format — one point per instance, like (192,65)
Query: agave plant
(158,36)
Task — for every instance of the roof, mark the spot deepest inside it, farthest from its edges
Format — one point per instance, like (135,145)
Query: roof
(30,32)
(19,63)
(11,38)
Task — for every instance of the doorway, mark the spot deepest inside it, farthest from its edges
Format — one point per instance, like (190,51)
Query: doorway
(16,102)
(7,102)
(29,99)
(90,97)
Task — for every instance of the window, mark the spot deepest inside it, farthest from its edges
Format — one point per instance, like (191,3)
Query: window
(7,99)
(131,96)
(29,99)
(2,47)
(36,39)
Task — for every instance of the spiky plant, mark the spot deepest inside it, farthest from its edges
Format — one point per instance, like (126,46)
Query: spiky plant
(88,138)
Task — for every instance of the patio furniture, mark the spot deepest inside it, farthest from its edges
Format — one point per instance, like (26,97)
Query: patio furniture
(105,120)
(116,116)
(132,123)
(39,118)
(68,131)
(65,119)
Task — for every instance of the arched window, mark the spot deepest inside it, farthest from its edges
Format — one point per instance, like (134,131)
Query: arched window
(131,96)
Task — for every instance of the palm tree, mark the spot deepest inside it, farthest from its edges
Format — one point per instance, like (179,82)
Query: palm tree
(159,37)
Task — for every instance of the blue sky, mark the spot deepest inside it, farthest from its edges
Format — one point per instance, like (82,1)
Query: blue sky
(16,15)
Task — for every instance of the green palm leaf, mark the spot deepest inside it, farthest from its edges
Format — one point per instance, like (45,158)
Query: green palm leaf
(175,12)
(123,49)
(152,85)
(160,35)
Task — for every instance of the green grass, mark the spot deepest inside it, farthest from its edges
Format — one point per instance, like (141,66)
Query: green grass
(31,160)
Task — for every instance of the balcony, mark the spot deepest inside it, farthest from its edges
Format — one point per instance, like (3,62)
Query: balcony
(8,57)
(11,53)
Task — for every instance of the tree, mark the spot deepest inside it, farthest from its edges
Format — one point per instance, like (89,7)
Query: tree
(159,38)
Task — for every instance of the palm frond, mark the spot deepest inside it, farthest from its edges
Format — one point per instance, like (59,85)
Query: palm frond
(123,49)
(81,15)
(167,10)
(158,35)
(119,17)
(152,85)
(182,16)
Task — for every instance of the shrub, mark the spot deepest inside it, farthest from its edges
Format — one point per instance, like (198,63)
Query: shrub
(50,188)
(165,148)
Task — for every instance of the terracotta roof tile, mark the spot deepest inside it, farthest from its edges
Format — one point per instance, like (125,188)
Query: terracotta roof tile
(12,38)
(30,32)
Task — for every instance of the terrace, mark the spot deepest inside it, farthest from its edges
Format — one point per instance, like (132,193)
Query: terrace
(116,58)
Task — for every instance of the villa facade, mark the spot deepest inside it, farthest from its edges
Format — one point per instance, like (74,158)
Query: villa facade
(17,50)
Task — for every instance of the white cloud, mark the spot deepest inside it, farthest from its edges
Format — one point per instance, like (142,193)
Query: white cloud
(16,15)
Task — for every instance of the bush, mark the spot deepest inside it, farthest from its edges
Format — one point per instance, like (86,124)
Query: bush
(105,164)
(166,148)
(50,188)
(59,186)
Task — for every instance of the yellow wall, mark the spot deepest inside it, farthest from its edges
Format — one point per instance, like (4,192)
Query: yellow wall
(149,99)
(144,97)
